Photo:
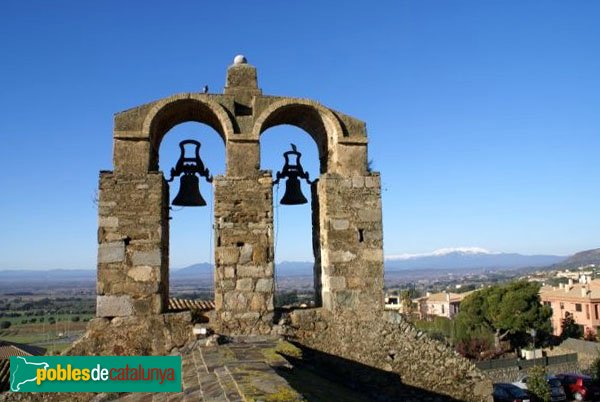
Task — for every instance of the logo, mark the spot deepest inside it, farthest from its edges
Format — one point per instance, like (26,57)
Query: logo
(95,373)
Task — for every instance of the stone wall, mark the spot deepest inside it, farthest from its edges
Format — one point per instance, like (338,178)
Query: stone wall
(351,244)
(244,286)
(512,374)
(157,334)
(387,342)
(132,252)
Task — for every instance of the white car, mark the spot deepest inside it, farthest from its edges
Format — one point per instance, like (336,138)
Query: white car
(557,392)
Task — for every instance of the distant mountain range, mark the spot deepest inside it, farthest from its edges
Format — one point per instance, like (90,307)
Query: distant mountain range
(450,259)
(285,268)
(462,258)
(52,275)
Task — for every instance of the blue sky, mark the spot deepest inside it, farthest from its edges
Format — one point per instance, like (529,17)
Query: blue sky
(483,116)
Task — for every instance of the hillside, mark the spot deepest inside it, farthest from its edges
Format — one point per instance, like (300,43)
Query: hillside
(581,258)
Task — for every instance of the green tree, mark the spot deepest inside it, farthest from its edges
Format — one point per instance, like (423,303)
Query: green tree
(408,306)
(507,311)
(569,328)
(537,384)
(5,324)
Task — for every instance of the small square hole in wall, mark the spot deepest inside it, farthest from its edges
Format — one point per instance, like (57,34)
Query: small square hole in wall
(361,235)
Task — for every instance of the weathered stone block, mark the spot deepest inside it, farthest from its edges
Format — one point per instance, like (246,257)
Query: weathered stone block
(340,224)
(264,285)
(148,305)
(249,271)
(369,215)
(347,299)
(245,284)
(257,302)
(245,254)
(227,285)
(114,306)
(108,222)
(152,257)
(111,252)
(132,157)
(337,283)
(371,181)
(142,273)
(341,256)
(229,272)
(227,255)
(259,255)
(375,254)
(249,316)
(358,181)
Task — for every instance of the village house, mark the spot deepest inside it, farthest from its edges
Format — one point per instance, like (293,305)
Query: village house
(442,304)
(581,300)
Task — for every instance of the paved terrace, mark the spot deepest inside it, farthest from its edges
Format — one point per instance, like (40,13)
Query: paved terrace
(235,372)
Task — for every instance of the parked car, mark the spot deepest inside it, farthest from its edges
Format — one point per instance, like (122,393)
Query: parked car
(557,392)
(580,387)
(505,392)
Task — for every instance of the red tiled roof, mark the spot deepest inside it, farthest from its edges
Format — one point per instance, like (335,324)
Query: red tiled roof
(4,374)
(8,349)
(187,304)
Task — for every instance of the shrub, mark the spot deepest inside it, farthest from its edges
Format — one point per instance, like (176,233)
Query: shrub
(473,348)
(4,324)
(538,385)
(595,368)
(589,335)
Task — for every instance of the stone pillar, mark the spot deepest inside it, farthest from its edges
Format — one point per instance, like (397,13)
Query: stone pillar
(244,285)
(351,236)
(133,245)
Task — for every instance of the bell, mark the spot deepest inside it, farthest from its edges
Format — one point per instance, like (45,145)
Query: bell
(292,170)
(189,186)
(293,193)
(189,192)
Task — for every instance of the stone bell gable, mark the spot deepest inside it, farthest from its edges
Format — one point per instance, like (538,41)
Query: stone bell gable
(133,256)
(348,328)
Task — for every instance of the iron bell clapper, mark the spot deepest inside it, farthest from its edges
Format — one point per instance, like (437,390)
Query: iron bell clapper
(292,171)
(189,186)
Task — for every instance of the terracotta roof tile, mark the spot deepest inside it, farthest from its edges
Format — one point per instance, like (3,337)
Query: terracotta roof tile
(8,349)
(4,374)
(576,291)
(187,304)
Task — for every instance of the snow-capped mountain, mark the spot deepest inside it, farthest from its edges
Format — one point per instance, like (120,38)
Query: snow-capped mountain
(442,252)
(468,258)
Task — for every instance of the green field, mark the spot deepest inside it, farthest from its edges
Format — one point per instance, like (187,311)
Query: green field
(52,323)
(54,338)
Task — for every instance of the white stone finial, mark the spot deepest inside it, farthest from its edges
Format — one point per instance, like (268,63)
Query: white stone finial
(240,59)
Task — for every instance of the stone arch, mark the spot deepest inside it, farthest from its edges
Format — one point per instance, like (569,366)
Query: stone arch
(169,112)
(318,121)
